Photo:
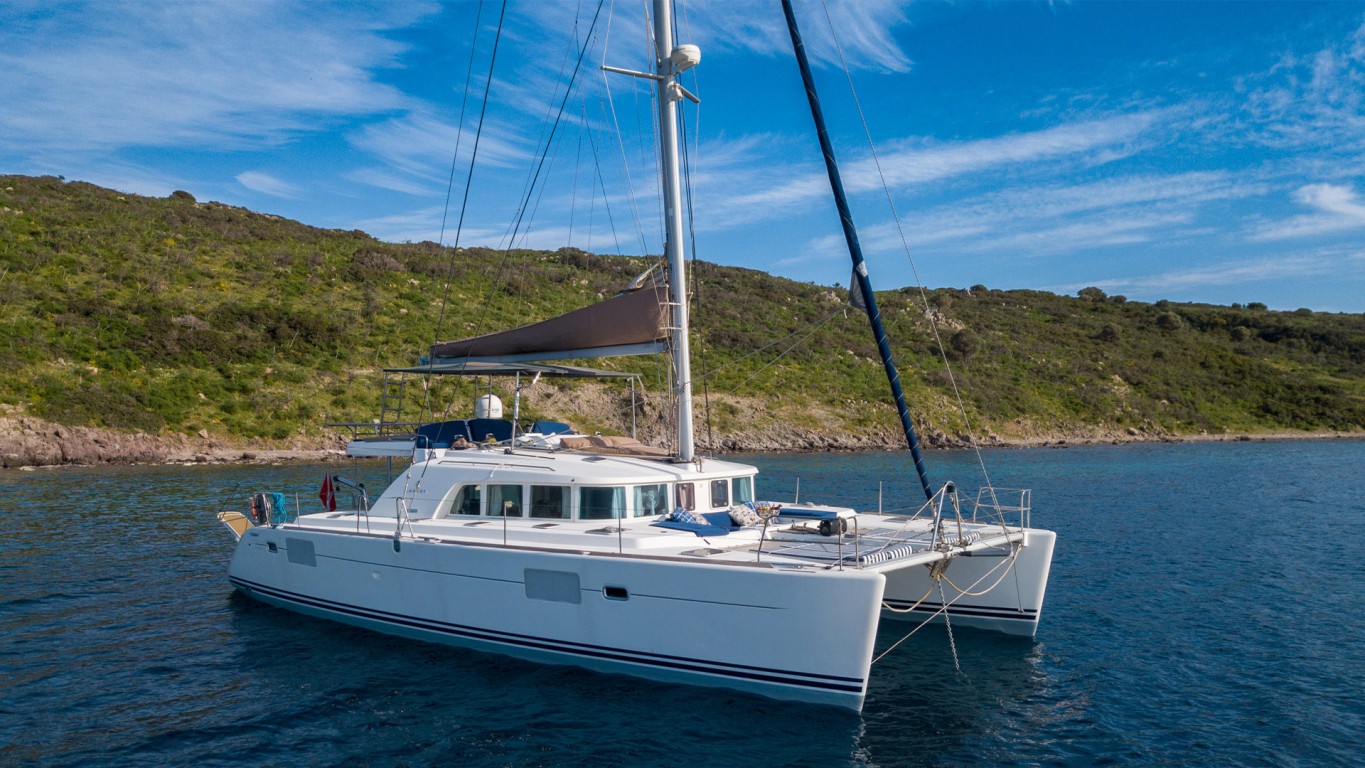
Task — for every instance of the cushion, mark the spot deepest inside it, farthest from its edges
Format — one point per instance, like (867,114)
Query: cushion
(744,514)
(681,515)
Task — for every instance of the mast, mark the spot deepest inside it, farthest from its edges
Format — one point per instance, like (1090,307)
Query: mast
(855,250)
(668,65)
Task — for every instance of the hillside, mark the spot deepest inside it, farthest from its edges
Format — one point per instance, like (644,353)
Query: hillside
(200,323)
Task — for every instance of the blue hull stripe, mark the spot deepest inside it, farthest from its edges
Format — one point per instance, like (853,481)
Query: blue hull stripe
(785,677)
(1019,614)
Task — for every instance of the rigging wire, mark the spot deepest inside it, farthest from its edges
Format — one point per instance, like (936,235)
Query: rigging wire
(577,165)
(813,328)
(464,203)
(554,128)
(808,329)
(459,126)
(519,218)
(602,184)
(621,143)
(469,176)
(542,146)
(655,128)
(919,284)
(695,275)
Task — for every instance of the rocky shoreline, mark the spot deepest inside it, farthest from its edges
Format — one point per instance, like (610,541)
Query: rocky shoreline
(27,442)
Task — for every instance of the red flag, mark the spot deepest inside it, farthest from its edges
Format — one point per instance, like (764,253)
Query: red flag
(328,496)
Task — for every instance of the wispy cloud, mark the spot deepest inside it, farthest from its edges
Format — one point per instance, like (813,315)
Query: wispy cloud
(165,74)
(865,28)
(1310,99)
(1337,209)
(258,181)
(911,163)
(1283,267)
(419,144)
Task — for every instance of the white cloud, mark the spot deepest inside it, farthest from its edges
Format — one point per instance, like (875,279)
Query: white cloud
(98,76)
(1284,267)
(865,29)
(266,184)
(1310,100)
(909,164)
(420,144)
(1338,209)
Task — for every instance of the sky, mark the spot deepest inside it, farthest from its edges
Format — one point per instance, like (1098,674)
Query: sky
(1189,151)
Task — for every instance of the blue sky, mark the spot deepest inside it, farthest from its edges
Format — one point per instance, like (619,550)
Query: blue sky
(1190,151)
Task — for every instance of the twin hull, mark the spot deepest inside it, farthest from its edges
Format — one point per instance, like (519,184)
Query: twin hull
(787,633)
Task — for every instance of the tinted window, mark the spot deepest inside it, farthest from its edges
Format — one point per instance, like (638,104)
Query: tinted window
(651,500)
(601,503)
(720,493)
(550,501)
(744,489)
(687,497)
(466,501)
(505,499)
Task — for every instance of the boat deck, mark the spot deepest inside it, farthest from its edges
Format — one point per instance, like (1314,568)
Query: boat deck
(870,541)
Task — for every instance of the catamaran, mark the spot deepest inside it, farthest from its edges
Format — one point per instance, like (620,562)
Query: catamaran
(624,558)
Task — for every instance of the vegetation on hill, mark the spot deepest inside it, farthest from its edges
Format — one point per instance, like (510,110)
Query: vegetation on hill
(175,316)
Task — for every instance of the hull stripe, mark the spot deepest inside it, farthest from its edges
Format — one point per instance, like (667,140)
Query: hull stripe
(1020,614)
(740,671)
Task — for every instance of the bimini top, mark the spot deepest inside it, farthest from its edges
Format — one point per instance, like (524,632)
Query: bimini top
(484,368)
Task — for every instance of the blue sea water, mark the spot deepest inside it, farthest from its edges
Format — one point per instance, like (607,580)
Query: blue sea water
(1205,608)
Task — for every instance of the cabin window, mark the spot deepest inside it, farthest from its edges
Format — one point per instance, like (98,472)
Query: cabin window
(720,494)
(651,500)
(466,501)
(744,489)
(601,503)
(504,500)
(687,496)
(550,501)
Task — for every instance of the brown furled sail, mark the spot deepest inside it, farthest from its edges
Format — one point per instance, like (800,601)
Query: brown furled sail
(633,322)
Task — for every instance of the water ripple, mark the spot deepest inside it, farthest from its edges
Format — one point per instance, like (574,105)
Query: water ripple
(1203,610)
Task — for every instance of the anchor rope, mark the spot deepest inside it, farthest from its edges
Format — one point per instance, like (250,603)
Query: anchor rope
(938,578)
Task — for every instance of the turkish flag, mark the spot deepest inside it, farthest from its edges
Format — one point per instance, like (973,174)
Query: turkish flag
(328,496)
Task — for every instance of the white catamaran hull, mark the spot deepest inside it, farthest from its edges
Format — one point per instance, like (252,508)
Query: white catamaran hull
(1013,587)
(786,633)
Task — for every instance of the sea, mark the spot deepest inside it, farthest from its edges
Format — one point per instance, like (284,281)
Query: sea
(1206,607)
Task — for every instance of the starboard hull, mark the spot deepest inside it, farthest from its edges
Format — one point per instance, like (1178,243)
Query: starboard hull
(1013,587)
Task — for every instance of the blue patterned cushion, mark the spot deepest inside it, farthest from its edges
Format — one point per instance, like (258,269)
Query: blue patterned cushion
(681,515)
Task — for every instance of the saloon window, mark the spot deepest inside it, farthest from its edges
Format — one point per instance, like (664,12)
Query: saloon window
(744,489)
(550,501)
(466,501)
(651,500)
(601,503)
(504,500)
